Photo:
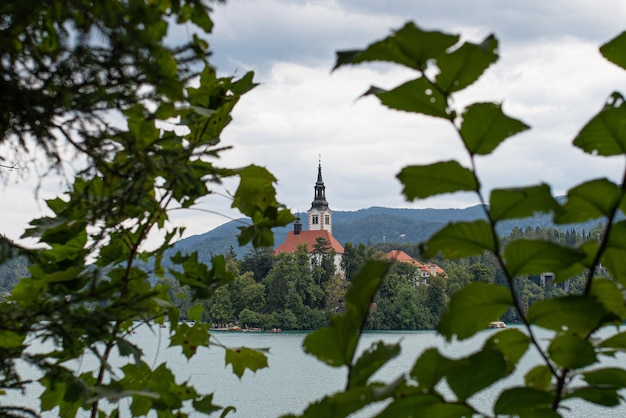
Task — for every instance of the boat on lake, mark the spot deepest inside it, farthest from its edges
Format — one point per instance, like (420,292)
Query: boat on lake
(496,324)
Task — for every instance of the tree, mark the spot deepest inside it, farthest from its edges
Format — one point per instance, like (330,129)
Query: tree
(354,257)
(259,261)
(569,367)
(71,70)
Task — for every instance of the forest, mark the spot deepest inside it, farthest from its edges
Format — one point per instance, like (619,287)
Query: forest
(302,291)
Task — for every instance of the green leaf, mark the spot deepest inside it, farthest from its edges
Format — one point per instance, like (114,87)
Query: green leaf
(371,361)
(516,401)
(418,96)
(616,342)
(610,296)
(485,126)
(605,133)
(614,50)
(409,46)
(463,239)
(575,314)
(512,343)
(613,257)
(472,308)
(476,372)
(598,395)
(613,377)
(425,406)
(463,66)
(243,358)
(538,256)
(11,339)
(127,348)
(421,182)
(571,352)
(195,312)
(205,404)
(342,404)
(256,198)
(190,338)
(539,377)
(590,200)
(335,345)
(430,368)
(521,202)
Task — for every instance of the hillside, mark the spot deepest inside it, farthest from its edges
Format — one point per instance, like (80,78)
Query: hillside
(372,225)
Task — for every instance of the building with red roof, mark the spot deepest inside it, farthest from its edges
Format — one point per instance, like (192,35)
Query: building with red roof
(319,223)
(426,270)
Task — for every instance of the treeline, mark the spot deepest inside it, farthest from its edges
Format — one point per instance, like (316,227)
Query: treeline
(302,291)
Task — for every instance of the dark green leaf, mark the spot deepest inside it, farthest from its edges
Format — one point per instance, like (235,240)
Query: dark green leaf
(190,338)
(409,46)
(425,406)
(418,96)
(430,368)
(485,126)
(243,358)
(538,256)
(613,377)
(576,314)
(476,372)
(421,182)
(539,377)
(516,401)
(127,348)
(512,343)
(598,395)
(605,134)
(616,342)
(610,296)
(463,66)
(571,352)
(343,404)
(614,50)
(371,361)
(521,202)
(205,404)
(463,239)
(472,308)
(613,257)
(11,339)
(590,200)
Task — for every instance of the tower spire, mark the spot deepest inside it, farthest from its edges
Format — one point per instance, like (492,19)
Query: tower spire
(319,199)
(320,215)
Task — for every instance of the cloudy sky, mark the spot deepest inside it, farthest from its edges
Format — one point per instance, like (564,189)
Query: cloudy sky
(550,75)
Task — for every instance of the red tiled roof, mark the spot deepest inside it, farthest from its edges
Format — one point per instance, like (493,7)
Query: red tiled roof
(309,238)
(438,270)
(403,257)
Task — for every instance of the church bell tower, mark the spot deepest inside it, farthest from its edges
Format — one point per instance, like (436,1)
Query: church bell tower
(320,215)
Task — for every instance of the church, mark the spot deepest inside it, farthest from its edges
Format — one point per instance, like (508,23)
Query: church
(319,225)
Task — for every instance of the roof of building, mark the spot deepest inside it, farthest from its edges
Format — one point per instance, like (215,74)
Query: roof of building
(310,239)
(403,257)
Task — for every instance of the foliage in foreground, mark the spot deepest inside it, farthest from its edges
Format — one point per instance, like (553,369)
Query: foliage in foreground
(71,70)
(571,366)
(68,65)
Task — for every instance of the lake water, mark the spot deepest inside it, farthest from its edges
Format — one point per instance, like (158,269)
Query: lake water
(295,379)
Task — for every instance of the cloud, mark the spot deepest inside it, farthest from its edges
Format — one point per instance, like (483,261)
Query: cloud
(550,75)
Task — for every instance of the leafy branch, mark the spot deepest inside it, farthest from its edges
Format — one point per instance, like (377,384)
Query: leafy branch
(574,319)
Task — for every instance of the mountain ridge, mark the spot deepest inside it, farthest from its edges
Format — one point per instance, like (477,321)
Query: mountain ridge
(370,225)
